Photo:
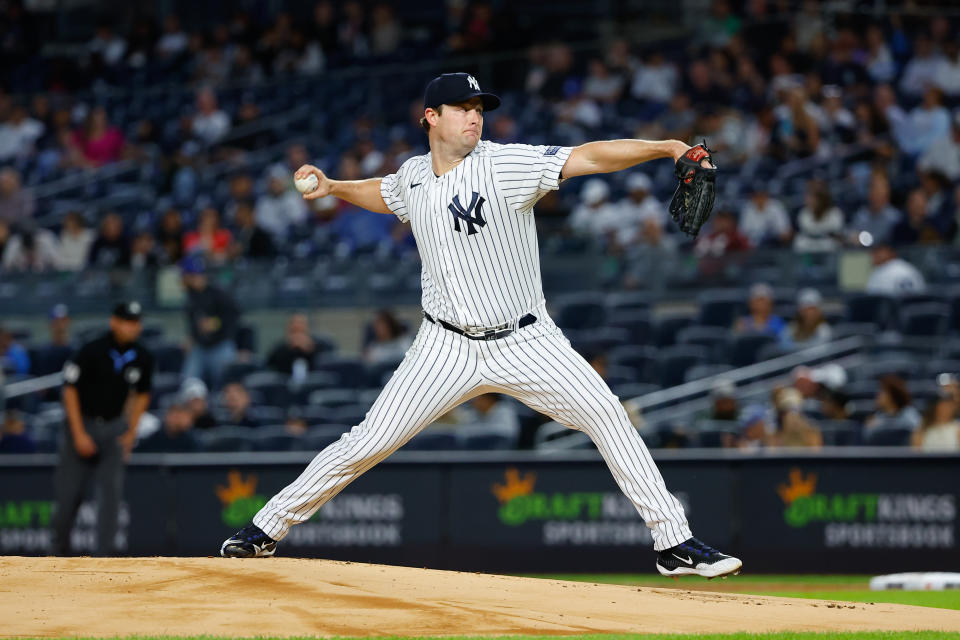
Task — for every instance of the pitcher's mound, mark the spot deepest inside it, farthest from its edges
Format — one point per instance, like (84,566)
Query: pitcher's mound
(286,597)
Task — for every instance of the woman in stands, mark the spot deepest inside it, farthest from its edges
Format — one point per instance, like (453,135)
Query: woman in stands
(940,430)
(895,408)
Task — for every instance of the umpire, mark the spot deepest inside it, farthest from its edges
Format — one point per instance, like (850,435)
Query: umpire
(106,376)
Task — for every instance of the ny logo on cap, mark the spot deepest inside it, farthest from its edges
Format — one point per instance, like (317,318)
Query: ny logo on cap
(473,83)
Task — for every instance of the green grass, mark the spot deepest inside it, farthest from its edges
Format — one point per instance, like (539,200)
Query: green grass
(862,635)
(847,588)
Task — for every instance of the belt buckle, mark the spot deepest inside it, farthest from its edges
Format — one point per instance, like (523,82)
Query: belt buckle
(484,333)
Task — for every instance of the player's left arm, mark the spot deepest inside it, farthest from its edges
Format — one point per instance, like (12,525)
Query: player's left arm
(607,156)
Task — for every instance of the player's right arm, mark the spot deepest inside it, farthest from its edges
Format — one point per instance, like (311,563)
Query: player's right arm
(363,193)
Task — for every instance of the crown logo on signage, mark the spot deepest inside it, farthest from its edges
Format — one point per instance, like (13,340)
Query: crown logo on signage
(236,487)
(514,485)
(798,487)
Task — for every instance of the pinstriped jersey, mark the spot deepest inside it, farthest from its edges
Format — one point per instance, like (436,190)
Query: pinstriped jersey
(475,229)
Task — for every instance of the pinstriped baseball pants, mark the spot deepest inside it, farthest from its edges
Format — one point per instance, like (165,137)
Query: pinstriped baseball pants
(537,366)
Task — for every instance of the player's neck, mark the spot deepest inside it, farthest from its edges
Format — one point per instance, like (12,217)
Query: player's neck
(445,158)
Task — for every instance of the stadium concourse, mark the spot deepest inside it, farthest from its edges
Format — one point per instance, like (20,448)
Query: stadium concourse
(139,141)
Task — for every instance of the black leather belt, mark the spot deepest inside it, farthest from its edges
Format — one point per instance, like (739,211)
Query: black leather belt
(490,334)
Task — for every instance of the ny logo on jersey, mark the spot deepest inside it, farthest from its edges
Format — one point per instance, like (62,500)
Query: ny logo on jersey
(471,215)
(473,83)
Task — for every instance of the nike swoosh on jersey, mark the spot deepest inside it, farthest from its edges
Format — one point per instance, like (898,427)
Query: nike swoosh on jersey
(415,184)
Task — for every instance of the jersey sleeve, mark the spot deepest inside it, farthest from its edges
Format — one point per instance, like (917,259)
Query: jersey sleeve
(525,173)
(145,383)
(394,192)
(79,365)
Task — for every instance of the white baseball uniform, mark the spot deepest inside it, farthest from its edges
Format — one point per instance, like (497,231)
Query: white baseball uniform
(476,234)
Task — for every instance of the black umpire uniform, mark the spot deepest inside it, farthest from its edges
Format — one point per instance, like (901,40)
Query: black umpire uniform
(99,381)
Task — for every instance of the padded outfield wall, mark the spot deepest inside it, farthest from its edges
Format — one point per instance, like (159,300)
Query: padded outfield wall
(853,510)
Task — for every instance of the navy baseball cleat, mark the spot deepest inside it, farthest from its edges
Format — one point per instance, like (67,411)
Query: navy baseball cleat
(249,542)
(693,558)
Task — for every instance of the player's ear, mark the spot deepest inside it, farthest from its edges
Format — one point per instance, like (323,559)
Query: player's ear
(432,115)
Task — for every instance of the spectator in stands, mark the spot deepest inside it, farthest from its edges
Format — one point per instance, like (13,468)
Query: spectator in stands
(210,239)
(808,327)
(174,40)
(297,351)
(819,223)
(596,216)
(176,436)
(755,431)
(764,220)
(948,75)
(193,395)
(927,122)
(834,404)
(879,61)
(390,339)
(723,398)
(106,47)
(950,383)
(794,429)
(98,142)
(250,241)
(170,236)
(640,205)
(877,217)
(894,406)
(5,237)
(939,431)
(210,124)
(17,204)
(944,153)
(236,403)
(760,317)
(917,226)
(143,252)
(32,249)
(19,135)
(213,319)
(279,209)
(14,437)
(921,70)
(893,275)
(724,237)
(490,414)
(600,85)
(652,238)
(14,358)
(75,243)
(50,357)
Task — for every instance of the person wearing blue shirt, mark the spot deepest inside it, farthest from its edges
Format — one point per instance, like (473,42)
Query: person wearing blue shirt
(13,356)
(760,317)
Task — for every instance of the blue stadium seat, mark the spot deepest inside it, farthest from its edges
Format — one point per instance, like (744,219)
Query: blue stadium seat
(720,308)
(666,328)
(274,438)
(698,371)
(628,301)
(487,442)
(169,357)
(887,437)
(432,441)
(745,348)
(639,359)
(674,362)
(580,311)
(351,371)
(867,307)
(225,439)
(319,436)
(713,338)
(636,322)
(271,385)
(925,319)
(333,398)
(840,433)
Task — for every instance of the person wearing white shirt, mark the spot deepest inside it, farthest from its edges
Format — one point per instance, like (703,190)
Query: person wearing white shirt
(880,63)
(921,71)
(489,414)
(764,220)
(174,40)
(655,80)
(944,153)
(279,209)
(31,250)
(877,217)
(75,241)
(820,224)
(210,124)
(19,134)
(638,207)
(926,123)
(893,275)
(948,74)
(595,216)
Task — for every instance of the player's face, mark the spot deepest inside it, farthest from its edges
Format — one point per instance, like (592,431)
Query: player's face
(462,122)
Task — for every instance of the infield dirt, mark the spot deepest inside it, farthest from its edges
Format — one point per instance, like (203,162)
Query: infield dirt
(283,597)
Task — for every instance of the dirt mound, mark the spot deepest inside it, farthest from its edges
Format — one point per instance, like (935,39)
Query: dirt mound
(284,597)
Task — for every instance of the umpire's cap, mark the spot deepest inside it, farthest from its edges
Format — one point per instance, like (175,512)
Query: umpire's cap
(128,310)
(451,88)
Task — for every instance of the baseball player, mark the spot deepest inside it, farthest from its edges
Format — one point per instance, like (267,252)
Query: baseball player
(485,328)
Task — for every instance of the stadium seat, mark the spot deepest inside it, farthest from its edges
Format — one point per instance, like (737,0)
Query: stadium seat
(225,439)
(168,357)
(333,398)
(699,371)
(840,433)
(925,319)
(237,371)
(639,359)
(628,301)
(629,390)
(432,441)
(887,437)
(720,308)
(274,438)
(320,436)
(744,349)
(635,321)
(580,311)
(674,362)
(271,385)
(599,340)
(352,372)
(903,367)
(666,328)
(713,338)
(487,442)
(874,308)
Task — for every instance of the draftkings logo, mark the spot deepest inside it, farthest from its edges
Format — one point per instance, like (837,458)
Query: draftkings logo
(240,499)
(578,518)
(868,519)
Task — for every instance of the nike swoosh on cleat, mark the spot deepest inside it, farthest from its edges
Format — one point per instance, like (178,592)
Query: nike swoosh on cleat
(687,560)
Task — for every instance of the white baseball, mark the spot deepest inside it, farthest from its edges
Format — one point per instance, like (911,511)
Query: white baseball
(306,185)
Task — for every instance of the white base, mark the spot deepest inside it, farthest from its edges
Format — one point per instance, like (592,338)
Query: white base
(933,581)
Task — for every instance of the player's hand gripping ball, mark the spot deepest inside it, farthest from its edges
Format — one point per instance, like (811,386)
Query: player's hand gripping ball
(306,185)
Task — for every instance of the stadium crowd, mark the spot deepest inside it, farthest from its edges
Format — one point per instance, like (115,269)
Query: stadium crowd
(833,130)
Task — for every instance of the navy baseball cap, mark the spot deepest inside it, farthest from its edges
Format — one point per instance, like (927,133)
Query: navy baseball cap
(451,88)
(193,264)
(128,310)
